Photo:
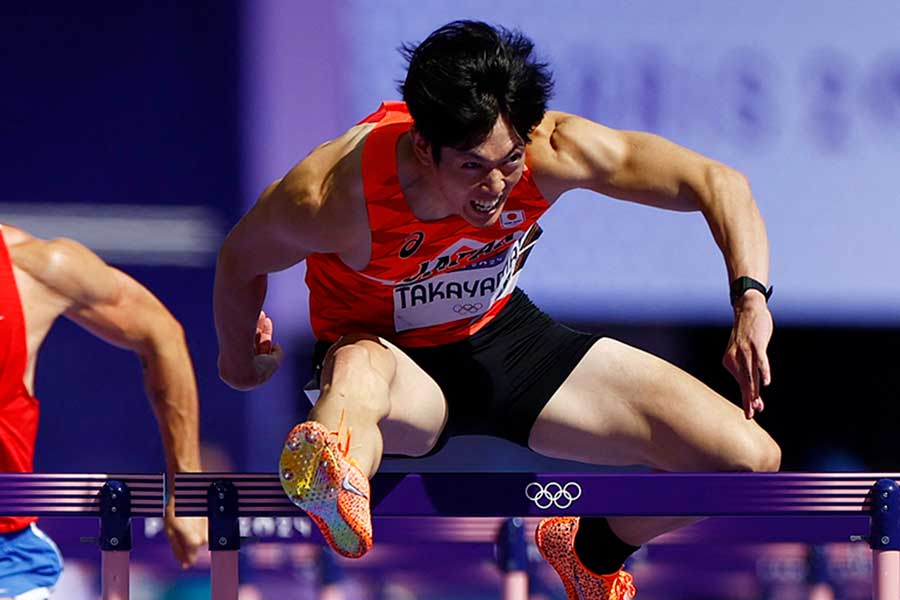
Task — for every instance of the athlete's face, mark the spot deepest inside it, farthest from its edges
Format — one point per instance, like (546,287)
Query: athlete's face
(475,183)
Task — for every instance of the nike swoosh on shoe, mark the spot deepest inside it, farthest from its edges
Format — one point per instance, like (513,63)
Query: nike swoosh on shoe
(347,485)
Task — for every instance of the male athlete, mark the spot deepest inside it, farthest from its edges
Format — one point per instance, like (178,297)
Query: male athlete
(414,225)
(39,281)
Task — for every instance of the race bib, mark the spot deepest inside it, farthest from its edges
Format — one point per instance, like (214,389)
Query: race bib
(465,293)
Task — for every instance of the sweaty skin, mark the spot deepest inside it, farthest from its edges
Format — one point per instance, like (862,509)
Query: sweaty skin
(618,406)
(62,277)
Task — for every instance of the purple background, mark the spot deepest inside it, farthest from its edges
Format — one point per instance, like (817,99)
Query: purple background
(107,105)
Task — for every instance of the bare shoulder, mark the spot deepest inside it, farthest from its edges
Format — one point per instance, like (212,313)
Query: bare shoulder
(323,193)
(28,253)
(66,267)
(568,151)
(326,166)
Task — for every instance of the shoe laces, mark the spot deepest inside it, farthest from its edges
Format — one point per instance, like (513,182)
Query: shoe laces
(343,447)
(622,584)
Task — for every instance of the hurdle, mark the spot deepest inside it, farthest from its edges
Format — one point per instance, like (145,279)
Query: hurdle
(840,497)
(114,499)
(858,507)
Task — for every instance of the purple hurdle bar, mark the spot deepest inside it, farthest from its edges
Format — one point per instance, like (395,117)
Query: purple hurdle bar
(832,495)
(112,498)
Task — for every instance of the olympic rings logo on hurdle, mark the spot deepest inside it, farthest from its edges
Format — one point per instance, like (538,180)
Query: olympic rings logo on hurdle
(467,308)
(553,494)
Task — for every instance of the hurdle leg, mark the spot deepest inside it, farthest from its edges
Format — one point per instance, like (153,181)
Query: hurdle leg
(224,574)
(511,555)
(884,539)
(515,586)
(224,539)
(114,575)
(886,574)
(115,540)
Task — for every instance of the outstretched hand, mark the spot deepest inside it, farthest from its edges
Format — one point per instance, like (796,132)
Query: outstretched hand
(746,357)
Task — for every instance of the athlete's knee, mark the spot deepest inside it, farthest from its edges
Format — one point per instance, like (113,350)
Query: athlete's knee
(360,366)
(770,456)
(360,351)
(757,452)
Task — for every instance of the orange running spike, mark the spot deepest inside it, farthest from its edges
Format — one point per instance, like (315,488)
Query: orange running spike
(555,539)
(319,477)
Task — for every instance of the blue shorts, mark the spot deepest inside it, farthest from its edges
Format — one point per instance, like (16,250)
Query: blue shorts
(30,564)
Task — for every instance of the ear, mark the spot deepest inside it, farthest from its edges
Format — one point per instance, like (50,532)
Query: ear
(421,148)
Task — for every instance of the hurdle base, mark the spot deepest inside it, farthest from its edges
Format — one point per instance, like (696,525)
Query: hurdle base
(224,574)
(515,586)
(114,575)
(886,574)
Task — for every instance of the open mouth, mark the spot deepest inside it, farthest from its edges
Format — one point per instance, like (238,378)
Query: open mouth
(486,207)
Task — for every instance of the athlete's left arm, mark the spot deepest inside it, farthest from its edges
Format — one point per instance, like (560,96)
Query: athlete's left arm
(571,152)
(119,310)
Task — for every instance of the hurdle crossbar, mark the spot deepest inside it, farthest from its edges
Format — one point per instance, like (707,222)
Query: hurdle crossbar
(834,495)
(114,499)
(584,494)
(76,494)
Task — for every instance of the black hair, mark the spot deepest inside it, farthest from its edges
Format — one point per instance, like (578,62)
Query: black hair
(466,75)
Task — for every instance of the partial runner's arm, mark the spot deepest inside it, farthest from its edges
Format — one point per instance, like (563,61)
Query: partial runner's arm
(119,310)
(305,212)
(571,152)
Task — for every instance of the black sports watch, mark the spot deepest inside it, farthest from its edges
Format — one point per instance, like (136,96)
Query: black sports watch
(742,284)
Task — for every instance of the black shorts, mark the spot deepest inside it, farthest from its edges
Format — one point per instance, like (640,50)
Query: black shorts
(497,381)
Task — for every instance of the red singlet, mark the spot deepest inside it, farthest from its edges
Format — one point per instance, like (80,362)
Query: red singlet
(427,282)
(18,408)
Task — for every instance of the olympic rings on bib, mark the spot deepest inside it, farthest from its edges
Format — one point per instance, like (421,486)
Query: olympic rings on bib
(467,308)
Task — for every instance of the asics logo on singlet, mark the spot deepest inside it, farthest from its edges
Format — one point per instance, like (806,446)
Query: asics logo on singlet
(553,494)
(347,485)
(463,309)
(411,244)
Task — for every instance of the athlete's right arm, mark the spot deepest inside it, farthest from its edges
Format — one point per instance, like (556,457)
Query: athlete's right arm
(305,212)
(116,308)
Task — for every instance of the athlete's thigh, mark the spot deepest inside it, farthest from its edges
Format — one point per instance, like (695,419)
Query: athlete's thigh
(621,405)
(418,410)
